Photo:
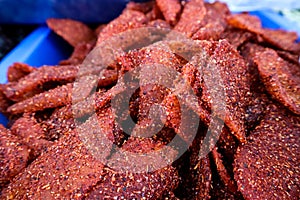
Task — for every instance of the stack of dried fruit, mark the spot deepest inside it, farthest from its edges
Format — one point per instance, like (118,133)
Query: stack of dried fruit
(255,157)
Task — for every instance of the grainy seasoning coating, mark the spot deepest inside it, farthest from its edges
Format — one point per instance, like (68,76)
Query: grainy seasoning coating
(281,79)
(227,146)
(143,185)
(220,192)
(159,23)
(31,134)
(191,17)
(245,21)
(293,58)
(17,71)
(129,19)
(282,39)
(154,14)
(13,156)
(56,97)
(222,171)
(236,37)
(4,101)
(80,52)
(60,123)
(170,10)
(235,77)
(65,171)
(33,83)
(267,167)
(143,7)
(200,177)
(213,24)
(257,99)
(151,185)
(74,32)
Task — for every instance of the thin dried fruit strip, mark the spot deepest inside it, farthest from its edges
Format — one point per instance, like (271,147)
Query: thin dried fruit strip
(267,167)
(56,97)
(235,80)
(293,58)
(281,79)
(143,7)
(191,17)
(151,182)
(170,9)
(200,177)
(13,155)
(60,123)
(159,23)
(74,32)
(223,173)
(236,37)
(282,39)
(245,21)
(31,133)
(17,71)
(4,101)
(34,81)
(129,19)
(67,170)
(79,54)
(213,24)
(151,185)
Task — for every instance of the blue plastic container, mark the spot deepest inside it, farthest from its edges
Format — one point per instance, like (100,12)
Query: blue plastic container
(42,47)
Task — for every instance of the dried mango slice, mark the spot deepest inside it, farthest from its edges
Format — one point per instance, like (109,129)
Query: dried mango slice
(14,156)
(31,133)
(67,170)
(56,97)
(74,32)
(17,71)
(281,79)
(129,19)
(33,83)
(267,166)
(191,18)
(170,9)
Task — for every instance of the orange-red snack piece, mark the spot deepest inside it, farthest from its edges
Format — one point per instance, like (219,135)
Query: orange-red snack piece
(17,71)
(80,52)
(143,7)
(60,123)
(35,82)
(151,185)
(191,18)
(170,9)
(281,79)
(4,101)
(234,73)
(282,39)
(236,37)
(56,97)
(129,19)
(31,133)
(74,32)
(66,171)
(213,24)
(13,155)
(267,167)
(129,184)
(245,21)
(223,173)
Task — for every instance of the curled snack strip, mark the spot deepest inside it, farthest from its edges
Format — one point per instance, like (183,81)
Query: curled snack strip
(56,97)
(27,85)
(281,79)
